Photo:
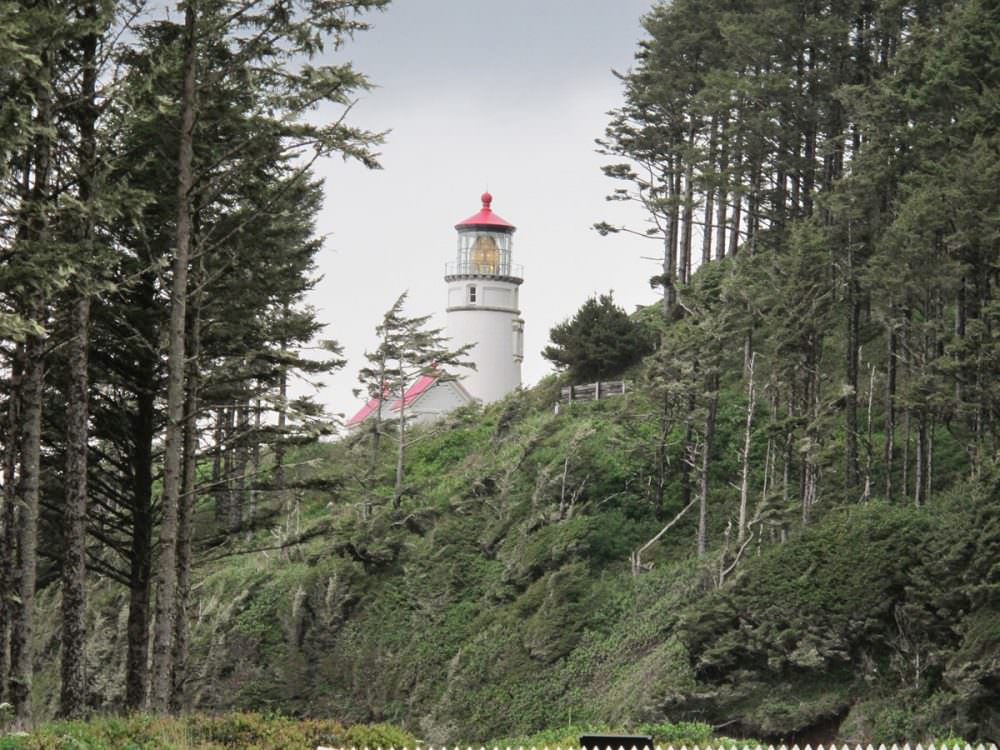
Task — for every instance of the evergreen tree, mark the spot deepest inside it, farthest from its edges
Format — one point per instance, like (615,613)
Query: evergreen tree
(377,379)
(599,341)
(264,44)
(407,350)
(86,234)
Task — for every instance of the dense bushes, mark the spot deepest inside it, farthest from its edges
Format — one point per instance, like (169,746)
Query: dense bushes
(680,734)
(235,731)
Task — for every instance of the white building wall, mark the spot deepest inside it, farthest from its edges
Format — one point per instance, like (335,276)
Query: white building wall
(440,399)
(491,323)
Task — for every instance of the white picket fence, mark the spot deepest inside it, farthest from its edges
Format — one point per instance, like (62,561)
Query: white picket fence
(832,746)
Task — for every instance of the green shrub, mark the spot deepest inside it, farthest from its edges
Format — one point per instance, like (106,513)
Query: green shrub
(663,733)
(681,733)
(379,735)
(568,736)
(599,341)
(232,731)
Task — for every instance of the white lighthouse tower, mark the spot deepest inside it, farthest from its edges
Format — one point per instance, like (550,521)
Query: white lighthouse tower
(483,304)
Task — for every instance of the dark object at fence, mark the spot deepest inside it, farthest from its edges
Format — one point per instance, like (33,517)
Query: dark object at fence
(615,741)
(594,392)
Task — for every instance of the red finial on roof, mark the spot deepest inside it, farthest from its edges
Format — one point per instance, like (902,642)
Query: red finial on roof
(486,218)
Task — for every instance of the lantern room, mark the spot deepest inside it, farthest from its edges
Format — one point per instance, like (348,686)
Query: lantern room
(484,245)
(483,308)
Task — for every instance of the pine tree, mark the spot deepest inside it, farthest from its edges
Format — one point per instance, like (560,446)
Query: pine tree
(377,379)
(407,350)
(272,42)
(599,341)
(34,236)
(73,693)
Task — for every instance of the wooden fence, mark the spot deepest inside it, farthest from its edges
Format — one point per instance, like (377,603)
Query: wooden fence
(832,746)
(595,392)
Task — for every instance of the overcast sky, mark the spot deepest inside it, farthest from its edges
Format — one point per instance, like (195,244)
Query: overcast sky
(508,95)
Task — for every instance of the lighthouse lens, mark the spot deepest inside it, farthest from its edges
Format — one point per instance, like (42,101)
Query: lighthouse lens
(485,255)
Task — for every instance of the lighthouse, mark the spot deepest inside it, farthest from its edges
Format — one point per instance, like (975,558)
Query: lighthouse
(483,307)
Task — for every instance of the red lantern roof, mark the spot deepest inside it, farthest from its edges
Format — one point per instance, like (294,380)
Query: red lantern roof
(486,218)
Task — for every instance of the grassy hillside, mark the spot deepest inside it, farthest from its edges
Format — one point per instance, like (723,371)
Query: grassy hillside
(499,601)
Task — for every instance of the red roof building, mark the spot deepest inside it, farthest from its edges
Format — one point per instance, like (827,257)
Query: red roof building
(430,397)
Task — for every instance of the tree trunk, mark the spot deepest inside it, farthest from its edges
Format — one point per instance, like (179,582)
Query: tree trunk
(166,577)
(737,194)
(233,513)
(753,209)
(669,276)
(242,455)
(670,247)
(675,220)
(8,518)
(137,655)
(141,552)
(397,496)
(7,536)
(770,449)
(851,468)
(977,430)
(706,457)
(73,694)
(906,451)
(706,239)
(809,493)
(810,469)
(254,459)
(686,239)
(662,448)
(809,172)
(748,346)
(890,411)
(787,457)
(720,220)
(779,204)
(185,517)
(37,229)
(690,452)
(796,178)
(745,455)
(920,473)
(219,491)
(869,447)
(929,487)
(734,231)
(376,442)
(21,651)
(279,445)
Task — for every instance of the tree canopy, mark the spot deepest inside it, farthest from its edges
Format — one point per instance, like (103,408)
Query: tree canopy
(599,341)
(157,240)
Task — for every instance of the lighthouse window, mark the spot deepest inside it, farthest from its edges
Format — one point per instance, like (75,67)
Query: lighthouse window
(517,339)
(483,252)
(472,294)
(485,255)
